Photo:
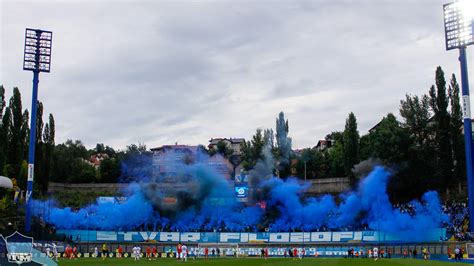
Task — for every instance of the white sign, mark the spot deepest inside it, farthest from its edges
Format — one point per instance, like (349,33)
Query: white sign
(466,107)
(31,171)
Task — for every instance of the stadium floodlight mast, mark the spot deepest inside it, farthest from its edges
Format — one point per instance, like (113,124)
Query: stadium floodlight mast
(459,33)
(37,58)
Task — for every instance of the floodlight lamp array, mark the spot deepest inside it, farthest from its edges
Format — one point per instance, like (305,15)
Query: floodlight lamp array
(37,54)
(459,24)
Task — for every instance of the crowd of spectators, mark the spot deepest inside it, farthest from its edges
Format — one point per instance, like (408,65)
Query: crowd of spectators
(458,220)
(458,217)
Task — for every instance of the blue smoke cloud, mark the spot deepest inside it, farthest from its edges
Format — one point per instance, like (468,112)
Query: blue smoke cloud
(208,203)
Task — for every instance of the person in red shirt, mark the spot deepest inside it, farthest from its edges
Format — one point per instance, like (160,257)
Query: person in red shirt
(295,253)
(148,253)
(69,252)
(155,253)
(206,253)
(74,252)
(266,253)
(179,249)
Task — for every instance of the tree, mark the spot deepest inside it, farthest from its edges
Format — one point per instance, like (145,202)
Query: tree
(317,164)
(69,154)
(366,150)
(81,172)
(2,101)
(420,173)
(336,160)
(25,134)
(283,145)
(3,131)
(456,123)
(439,104)
(42,180)
(224,149)
(39,122)
(252,150)
(416,114)
(6,142)
(269,137)
(99,148)
(350,145)
(109,170)
(334,155)
(390,142)
(48,149)
(16,145)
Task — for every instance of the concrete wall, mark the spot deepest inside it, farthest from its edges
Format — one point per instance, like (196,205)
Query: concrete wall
(328,185)
(318,186)
(99,187)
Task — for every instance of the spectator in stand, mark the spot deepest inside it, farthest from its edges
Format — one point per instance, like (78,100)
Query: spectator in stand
(119,252)
(105,251)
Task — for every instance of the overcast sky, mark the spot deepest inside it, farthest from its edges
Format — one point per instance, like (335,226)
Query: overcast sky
(160,72)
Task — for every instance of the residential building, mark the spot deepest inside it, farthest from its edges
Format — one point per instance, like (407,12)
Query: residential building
(232,143)
(323,144)
(169,159)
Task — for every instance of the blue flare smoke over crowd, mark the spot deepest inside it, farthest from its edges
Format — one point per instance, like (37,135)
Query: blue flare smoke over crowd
(208,203)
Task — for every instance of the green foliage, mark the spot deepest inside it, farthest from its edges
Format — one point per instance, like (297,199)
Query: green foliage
(224,149)
(109,170)
(252,150)
(439,104)
(101,148)
(81,172)
(48,150)
(456,124)
(335,136)
(135,149)
(317,164)
(336,160)
(283,145)
(16,139)
(78,198)
(350,145)
(390,142)
(70,163)
(3,130)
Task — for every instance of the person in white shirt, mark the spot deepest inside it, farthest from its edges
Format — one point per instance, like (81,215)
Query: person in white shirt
(48,252)
(136,253)
(376,253)
(195,253)
(96,252)
(184,252)
(55,252)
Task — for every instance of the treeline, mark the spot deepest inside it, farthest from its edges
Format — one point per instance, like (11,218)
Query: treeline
(14,142)
(74,163)
(425,150)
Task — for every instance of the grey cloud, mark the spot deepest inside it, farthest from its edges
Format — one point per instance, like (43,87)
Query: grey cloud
(162,72)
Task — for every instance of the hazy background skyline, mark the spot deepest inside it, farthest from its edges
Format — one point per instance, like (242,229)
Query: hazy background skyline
(160,72)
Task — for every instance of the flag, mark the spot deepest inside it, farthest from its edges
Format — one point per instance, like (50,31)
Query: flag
(15,198)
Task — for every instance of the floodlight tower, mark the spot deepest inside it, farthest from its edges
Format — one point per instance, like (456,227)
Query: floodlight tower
(459,33)
(37,58)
